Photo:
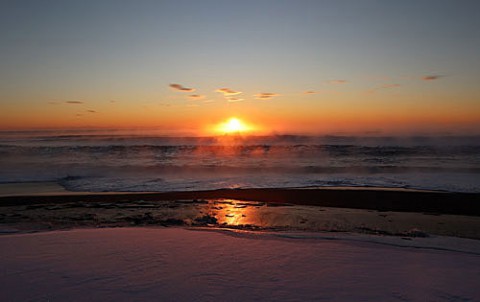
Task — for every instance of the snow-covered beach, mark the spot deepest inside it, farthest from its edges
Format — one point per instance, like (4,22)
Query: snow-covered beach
(60,245)
(176,264)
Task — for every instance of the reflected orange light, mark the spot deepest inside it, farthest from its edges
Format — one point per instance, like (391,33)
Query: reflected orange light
(231,212)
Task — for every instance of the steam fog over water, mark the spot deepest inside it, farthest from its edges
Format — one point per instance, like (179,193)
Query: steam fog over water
(92,162)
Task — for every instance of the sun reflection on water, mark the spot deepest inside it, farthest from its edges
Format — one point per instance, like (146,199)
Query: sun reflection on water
(236,213)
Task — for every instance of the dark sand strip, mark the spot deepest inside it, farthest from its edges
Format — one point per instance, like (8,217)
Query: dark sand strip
(357,198)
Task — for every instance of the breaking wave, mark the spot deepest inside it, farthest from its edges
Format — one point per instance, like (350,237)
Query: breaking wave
(138,163)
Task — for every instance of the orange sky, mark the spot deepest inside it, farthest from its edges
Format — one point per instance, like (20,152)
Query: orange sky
(312,114)
(305,67)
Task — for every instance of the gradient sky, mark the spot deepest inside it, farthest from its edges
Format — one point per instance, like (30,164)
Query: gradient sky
(301,66)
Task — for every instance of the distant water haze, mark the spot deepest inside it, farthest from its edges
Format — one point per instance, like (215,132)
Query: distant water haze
(102,162)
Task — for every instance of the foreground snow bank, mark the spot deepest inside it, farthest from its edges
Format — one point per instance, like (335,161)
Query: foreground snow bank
(174,264)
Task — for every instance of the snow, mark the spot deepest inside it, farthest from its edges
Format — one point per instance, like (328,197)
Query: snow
(176,264)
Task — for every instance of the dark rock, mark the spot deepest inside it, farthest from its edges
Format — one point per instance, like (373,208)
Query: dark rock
(206,219)
(416,233)
(146,218)
(86,216)
(171,221)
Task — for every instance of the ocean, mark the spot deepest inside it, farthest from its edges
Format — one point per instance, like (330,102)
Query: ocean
(96,162)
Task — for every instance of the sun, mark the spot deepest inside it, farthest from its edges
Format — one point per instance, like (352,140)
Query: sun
(233,126)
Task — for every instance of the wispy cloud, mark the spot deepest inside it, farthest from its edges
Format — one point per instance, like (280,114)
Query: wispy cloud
(432,77)
(234,100)
(196,97)
(310,92)
(91,111)
(265,95)
(336,82)
(386,86)
(74,102)
(179,87)
(228,91)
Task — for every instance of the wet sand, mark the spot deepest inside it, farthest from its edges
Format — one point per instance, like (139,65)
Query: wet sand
(379,199)
(404,213)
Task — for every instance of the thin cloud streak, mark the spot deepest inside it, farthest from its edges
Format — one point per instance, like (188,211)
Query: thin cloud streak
(337,82)
(432,77)
(234,100)
(228,91)
(196,97)
(179,87)
(265,95)
(74,102)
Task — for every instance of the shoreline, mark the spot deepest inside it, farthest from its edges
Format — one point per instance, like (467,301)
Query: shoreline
(404,213)
(367,198)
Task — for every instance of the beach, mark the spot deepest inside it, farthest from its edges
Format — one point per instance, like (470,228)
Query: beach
(239,151)
(176,264)
(399,212)
(206,245)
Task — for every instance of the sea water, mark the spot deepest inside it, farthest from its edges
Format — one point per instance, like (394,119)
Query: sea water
(90,161)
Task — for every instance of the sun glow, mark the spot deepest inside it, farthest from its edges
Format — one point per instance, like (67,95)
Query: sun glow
(233,126)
